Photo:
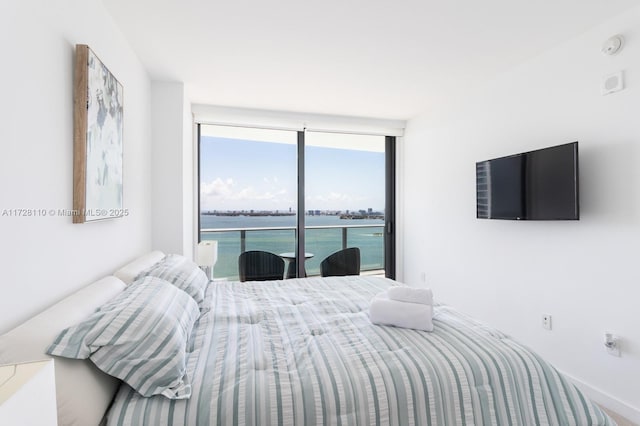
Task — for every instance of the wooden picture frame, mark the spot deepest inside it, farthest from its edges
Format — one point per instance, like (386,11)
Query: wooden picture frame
(97,140)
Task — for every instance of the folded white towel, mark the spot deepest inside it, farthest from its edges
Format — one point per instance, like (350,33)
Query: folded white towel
(385,311)
(403,293)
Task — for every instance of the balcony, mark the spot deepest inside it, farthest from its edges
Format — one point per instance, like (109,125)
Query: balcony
(320,240)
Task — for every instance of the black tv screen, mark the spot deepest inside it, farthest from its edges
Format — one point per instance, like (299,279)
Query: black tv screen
(535,185)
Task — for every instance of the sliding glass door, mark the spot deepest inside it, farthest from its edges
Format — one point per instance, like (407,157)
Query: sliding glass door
(296,194)
(345,198)
(248,192)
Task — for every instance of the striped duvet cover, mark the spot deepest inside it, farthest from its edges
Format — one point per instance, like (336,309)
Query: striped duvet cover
(304,352)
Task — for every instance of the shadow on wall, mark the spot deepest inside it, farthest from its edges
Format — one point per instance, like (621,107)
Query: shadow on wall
(608,181)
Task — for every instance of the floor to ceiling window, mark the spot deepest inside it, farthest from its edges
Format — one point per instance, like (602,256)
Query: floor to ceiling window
(293,193)
(344,197)
(248,192)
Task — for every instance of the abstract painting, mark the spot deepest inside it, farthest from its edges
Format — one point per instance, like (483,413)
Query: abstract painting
(98,126)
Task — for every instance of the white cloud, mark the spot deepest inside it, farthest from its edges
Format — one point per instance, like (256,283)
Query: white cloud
(268,194)
(217,188)
(223,194)
(271,181)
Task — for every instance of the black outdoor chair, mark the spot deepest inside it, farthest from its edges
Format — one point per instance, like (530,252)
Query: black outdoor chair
(260,266)
(341,263)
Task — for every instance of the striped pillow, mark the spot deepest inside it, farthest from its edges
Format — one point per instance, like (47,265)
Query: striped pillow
(182,273)
(140,337)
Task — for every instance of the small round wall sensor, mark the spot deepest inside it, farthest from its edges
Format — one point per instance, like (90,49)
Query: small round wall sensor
(612,45)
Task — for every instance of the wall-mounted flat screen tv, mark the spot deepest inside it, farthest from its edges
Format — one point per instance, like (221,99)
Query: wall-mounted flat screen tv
(535,185)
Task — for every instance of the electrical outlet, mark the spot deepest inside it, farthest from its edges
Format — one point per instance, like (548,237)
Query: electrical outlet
(546,321)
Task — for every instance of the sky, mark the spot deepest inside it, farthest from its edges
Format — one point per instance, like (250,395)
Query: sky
(240,174)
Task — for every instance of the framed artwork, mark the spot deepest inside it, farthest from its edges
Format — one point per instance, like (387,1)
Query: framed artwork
(97,145)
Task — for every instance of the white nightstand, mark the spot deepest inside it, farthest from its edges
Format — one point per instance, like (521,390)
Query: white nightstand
(28,394)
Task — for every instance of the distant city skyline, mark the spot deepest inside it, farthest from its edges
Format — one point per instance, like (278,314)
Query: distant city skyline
(252,175)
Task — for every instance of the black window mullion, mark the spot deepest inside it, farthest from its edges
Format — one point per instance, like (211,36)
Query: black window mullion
(198,183)
(300,231)
(390,208)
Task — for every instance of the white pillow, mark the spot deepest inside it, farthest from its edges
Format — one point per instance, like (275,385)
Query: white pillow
(140,336)
(182,273)
(129,272)
(83,393)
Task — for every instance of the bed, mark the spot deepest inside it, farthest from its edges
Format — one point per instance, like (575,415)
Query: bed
(303,352)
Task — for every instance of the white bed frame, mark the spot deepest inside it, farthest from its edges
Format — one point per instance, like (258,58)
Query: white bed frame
(83,393)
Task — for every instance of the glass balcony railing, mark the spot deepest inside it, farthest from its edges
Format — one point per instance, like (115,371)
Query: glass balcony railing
(321,241)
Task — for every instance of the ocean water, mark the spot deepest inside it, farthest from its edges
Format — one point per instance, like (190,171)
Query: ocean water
(368,236)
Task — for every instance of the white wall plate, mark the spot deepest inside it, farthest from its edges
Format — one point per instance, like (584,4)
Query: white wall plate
(612,83)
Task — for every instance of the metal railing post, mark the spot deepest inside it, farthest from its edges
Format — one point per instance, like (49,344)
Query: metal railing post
(243,240)
(344,237)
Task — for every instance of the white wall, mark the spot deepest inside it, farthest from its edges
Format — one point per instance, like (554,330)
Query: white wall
(172,169)
(507,273)
(45,258)
(189,181)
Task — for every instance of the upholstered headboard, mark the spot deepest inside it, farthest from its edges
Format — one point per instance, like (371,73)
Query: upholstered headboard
(83,392)
(130,271)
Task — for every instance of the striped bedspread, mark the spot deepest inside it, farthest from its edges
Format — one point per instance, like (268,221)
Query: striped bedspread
(304,352)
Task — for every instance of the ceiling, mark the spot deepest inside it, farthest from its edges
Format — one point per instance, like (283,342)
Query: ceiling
(369,58)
